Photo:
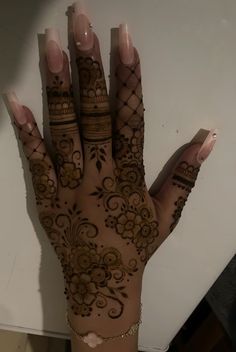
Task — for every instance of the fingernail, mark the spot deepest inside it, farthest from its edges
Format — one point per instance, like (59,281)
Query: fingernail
(207,146)
(16,108)
(84,36)
(54,51)
(125,45)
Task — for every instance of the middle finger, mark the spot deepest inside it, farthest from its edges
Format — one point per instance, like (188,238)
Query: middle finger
(94,101)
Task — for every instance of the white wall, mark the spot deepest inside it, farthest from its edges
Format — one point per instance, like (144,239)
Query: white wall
(188,54)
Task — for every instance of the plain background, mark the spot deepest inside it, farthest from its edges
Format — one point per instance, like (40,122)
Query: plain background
(188,56)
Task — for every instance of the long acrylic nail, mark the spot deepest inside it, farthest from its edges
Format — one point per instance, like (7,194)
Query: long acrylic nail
(126,48)
(54,51)
(207,146)
(84,36)
(16,108)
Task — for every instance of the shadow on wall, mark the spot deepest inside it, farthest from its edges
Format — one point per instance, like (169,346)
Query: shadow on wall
(16,24)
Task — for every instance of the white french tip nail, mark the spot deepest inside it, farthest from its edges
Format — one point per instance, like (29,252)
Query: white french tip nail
(207,145)
(125,45)
(53,34)
(54,51)
(16,108)
(79,8)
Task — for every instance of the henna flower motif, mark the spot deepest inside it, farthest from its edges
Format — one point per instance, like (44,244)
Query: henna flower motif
(137,145)
(38,167)
(111,257)
(92,340)
(111,222)
(83,258)
(100,275)
(70,175)
(128,224)
(121,146)
(147,235)
(84,292)
(44,187)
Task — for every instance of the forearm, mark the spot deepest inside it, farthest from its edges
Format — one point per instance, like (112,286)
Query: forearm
(107,327)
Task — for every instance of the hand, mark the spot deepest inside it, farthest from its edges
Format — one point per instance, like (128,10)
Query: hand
(92,199)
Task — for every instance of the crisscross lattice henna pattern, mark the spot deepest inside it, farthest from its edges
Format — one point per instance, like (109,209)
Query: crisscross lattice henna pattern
(129,135)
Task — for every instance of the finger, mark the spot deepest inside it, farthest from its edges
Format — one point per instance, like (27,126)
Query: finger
(41,167)
(94,102)
(171,198)
(62,117)
(129,129)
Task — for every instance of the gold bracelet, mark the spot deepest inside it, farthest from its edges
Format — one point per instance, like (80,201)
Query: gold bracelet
(93,339)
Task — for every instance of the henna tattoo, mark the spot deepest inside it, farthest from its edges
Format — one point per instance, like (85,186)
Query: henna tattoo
(95,114)
(39,163)
(62,114)
(130,120)
(93,277)
(185,176)
(44,187)
(60,103)
(178,211)
(131,218)
(99,153)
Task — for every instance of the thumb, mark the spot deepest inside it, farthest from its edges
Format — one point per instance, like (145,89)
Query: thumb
(171,198)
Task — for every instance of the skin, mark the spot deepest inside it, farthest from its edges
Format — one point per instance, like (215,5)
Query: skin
(92,199)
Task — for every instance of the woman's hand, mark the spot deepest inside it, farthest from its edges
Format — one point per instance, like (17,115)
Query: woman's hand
(92,199)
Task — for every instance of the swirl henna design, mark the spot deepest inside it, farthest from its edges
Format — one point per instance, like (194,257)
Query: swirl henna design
(124,197)
(131,217)
(95,113)
(93,276)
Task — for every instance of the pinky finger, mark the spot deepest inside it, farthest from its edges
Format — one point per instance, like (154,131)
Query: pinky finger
(42,169)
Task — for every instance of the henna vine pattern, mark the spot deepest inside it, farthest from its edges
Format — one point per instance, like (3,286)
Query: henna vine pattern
(62,114)
(93,277)
(179,204)
(95,113)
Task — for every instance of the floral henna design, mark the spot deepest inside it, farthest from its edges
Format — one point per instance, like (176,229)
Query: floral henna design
(93,277)
(131,218)
(62,114)
(178,211)
(95,112)
(44,187)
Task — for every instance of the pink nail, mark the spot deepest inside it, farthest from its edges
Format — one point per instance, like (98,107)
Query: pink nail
(84,36)
(54,52)
(16,108)
(207,146)
(125,45)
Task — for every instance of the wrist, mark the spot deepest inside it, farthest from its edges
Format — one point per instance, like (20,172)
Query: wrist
(110,334)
